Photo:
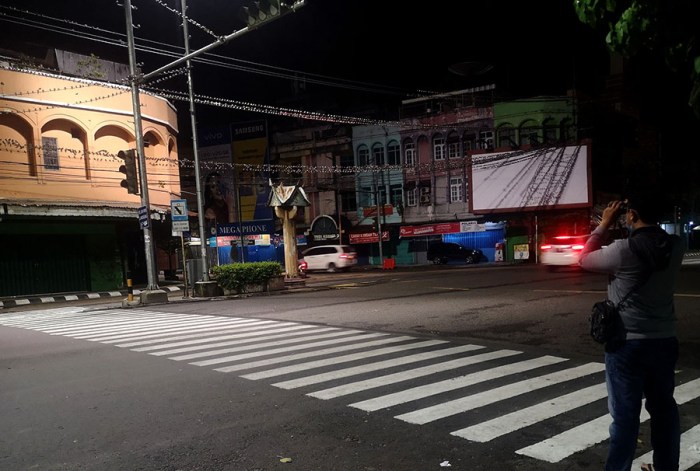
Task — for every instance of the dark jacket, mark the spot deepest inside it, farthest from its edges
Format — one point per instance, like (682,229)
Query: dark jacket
(646,264)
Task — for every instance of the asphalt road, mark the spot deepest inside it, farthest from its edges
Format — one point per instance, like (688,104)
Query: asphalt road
(478,368)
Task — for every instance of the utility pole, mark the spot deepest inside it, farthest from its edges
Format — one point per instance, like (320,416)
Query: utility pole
(151,293)
(256,19)
(195,149)
(379,219)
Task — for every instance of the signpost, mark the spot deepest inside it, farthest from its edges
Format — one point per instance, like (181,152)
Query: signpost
(181,223)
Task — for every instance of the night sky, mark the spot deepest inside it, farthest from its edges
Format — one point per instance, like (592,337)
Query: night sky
(364,51)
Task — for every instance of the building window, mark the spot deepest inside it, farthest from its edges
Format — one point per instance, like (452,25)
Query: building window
(366,197)
(550,131)
(393,153)
(378,154)
(346,161)
(529,134)
(425,196)
(412,197)
(348,201)
(50,151)
(409,154)
(470,142)
(396,194)
(362,156)
(453,150)
(486,139)
(455,189)
(506,136)
(439,148)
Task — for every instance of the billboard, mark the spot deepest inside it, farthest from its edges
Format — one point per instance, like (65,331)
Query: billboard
(250,157)
(551,178)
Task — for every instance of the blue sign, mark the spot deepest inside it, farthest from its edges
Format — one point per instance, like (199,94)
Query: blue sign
(143,216)
(178,210)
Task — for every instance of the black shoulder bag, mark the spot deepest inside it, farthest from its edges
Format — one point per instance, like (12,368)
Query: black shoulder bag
(607,327)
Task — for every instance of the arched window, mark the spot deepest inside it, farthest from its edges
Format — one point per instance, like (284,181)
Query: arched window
(549,130)
(438,147)
(453,147)
(566,130)
(362,155)
(393,153)
(469,139)
(409,153)
(378,154)
(529,133)
(506,135)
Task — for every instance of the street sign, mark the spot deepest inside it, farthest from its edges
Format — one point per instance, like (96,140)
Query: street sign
(143,216)
(178,213)
(178,210)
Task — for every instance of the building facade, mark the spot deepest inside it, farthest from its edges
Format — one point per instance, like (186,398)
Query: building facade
(66,222)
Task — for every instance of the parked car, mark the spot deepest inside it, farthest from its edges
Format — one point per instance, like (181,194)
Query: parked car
(562,251)
(331,258)
(443,252)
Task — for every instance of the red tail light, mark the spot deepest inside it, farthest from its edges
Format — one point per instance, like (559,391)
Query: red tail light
(545,247)
(577,247)
(344,255)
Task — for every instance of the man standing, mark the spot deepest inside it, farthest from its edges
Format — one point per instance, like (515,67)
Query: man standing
(645,265)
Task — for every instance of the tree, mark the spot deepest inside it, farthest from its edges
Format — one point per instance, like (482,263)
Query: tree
(667,28)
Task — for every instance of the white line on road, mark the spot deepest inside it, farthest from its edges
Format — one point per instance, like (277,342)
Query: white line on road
(407,375)
(501,425)
(558,447)
(467,403)
(451,384)
(356,370)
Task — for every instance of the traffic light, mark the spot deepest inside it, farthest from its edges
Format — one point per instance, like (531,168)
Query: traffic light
(131,182)
(260,11)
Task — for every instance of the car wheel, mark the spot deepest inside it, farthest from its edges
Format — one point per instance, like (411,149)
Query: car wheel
(469,260)
(332,268)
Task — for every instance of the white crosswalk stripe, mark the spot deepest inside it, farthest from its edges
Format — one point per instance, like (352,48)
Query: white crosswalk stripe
(427,379)
(579,438)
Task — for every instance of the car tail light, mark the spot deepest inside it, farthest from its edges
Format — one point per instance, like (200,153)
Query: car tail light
(577,247)
(344,255)
(545,247)
(303,265)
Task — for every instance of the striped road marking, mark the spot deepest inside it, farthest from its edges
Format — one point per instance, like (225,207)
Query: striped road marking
(332,363)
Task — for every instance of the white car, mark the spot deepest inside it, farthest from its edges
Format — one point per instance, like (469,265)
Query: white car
(331,258)
(562,251)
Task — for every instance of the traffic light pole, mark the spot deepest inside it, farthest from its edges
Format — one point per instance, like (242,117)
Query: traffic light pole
(151,293)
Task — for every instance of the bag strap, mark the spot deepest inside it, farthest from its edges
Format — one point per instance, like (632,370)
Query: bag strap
(640,283)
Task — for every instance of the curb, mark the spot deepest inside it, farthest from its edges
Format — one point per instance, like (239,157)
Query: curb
(34,300)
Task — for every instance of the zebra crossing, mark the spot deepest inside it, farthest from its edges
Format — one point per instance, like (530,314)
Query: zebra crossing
(417,380)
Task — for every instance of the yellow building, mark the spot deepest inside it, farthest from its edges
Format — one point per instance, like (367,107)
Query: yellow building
(66,222)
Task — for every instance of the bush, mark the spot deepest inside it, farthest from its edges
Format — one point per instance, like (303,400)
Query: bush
(236,276)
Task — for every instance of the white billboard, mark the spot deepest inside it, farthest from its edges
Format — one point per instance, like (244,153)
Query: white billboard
(556,177)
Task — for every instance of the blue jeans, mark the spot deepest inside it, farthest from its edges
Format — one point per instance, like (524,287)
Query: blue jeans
(643,368)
